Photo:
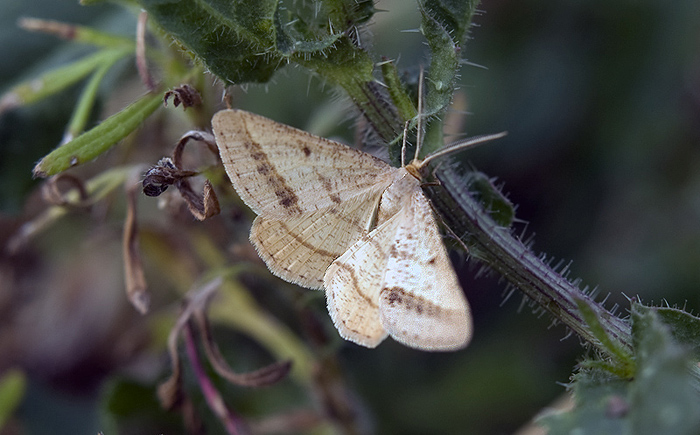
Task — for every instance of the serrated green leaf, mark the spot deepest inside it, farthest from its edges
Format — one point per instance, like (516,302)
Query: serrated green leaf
(94,142)
(684,326)
(622,363)
(444,52)
(12,387)
(247,41)
(595,394)
(444,24)
(342,63)
(455,16)
(342,12)
(662,397)
(237,40)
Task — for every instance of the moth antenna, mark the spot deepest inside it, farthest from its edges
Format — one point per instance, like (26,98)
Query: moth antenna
(419,127)
(463,144)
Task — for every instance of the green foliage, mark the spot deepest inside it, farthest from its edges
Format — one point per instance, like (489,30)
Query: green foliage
(623,364)
(243,41)
(403,102)
(13,384)
(444,25)
(99,139)
(243,44)
(494,202)
(235,39)
(60,78)
(684,327)
(661,398)
(131,407)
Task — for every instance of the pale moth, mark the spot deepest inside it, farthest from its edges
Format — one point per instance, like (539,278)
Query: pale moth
(334,217)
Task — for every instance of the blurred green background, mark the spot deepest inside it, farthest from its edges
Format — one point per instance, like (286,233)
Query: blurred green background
(602,104)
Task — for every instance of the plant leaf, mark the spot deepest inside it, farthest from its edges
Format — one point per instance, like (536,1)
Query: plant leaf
(13,384)
(59,79)
(684,326)
(247,41)
(494,202)
(661,399)
(594,393)
(662,395)
(236,39)
(94,142)
(444,25)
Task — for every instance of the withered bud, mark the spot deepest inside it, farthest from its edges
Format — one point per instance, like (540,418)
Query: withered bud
(183,94)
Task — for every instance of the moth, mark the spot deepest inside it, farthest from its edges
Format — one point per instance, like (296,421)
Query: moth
(335,218)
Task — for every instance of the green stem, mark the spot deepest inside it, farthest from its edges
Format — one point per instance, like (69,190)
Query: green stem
(377,109)
(513,260)
(86,102)
(60,78)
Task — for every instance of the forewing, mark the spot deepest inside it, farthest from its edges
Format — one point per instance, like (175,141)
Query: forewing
(421,303)
(279,170)
(300,248)
(353,283)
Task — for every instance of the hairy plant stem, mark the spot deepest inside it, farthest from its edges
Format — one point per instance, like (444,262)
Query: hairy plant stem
(500,250)
(370,98)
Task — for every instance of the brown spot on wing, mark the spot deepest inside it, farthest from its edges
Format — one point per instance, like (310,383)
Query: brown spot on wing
(395,296)
(287,198)
(263,168)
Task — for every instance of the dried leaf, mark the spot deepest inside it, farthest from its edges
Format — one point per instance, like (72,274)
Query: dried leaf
(163,174)
(52,194)
(170,392)
(141,59)
(184,94)
(169,171)
(263,377)
(134,277)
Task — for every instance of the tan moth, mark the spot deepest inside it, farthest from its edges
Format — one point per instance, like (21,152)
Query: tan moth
(331,216)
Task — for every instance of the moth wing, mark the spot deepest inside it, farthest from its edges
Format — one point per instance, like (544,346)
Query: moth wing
(280,170)
(421,303)
(353,283)
(300,248)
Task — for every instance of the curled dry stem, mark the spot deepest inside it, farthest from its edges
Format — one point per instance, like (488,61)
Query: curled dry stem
(168,171)
(52,193)
(134,277)
(193,318)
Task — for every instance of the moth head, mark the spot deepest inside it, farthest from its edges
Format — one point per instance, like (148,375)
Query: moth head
(414,168)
